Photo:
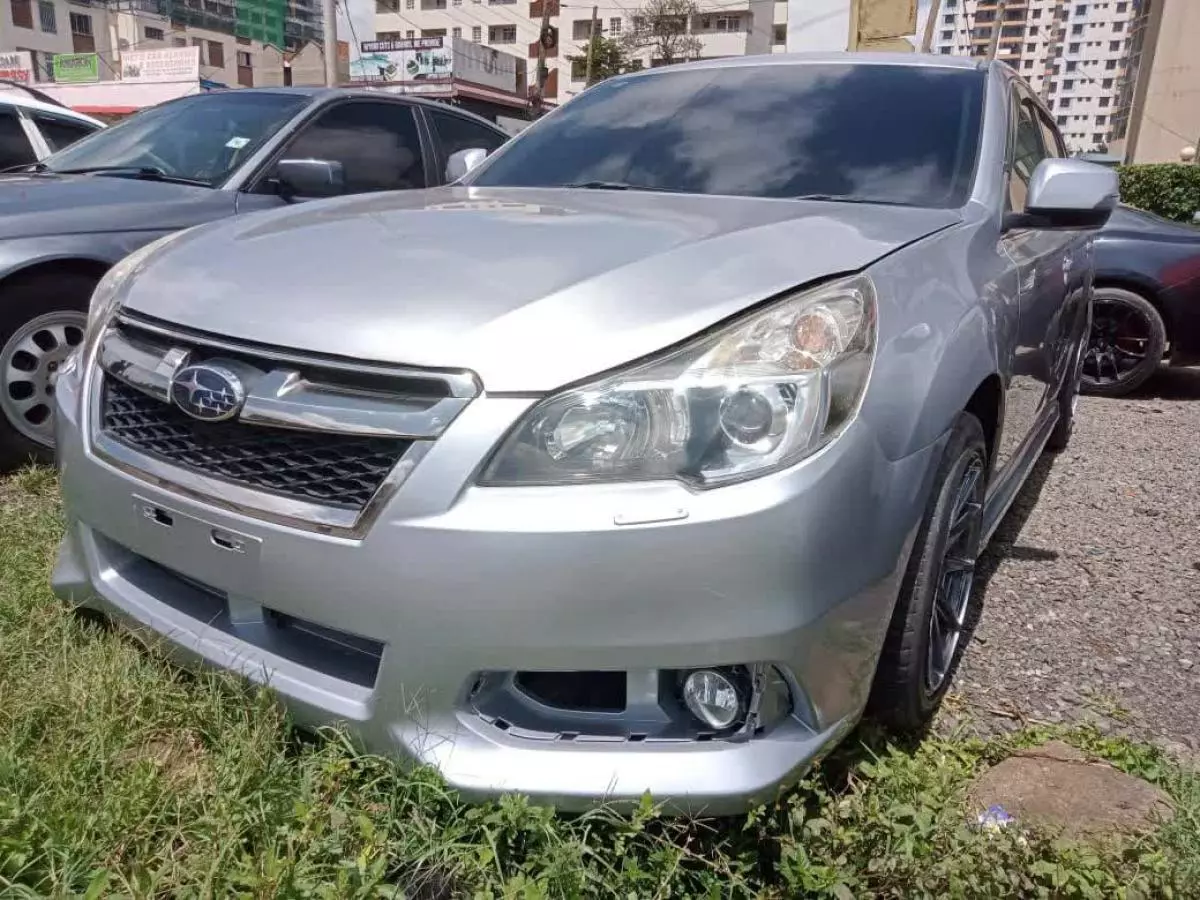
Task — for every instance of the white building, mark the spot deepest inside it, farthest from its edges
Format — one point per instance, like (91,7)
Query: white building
(49,27)
(1073,52)
(725,28)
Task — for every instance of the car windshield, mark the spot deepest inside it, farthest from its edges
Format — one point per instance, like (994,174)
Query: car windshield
(863,133)
(200,138)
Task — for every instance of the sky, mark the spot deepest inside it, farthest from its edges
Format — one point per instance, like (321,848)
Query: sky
(360,22)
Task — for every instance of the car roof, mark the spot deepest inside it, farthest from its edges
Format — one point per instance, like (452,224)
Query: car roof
(14,95)
(322,94)
(921,60)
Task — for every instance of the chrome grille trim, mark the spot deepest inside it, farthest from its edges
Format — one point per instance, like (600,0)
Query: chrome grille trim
(284,397)
(145,355)
(454,383)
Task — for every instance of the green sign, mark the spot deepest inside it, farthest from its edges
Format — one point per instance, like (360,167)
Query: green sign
(75,68)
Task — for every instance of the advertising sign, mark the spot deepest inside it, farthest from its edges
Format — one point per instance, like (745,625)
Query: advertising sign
(484,66)
(16,65)
(414,59)
(75,68)
(169,64)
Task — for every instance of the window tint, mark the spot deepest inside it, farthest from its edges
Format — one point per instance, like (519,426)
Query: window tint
(15,149)
(894,134)
(1028,151)
(456,133)
(377,144)
(60,132)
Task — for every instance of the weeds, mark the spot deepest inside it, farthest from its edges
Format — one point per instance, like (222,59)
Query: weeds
(122,775)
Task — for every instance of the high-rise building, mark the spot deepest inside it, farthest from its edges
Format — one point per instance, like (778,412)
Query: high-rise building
(1158,111)
(240,42)
(1074,53)
(285,24)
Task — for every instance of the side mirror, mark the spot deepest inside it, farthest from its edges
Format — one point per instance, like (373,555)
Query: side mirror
(310,178)
(463,161)
(1068,194)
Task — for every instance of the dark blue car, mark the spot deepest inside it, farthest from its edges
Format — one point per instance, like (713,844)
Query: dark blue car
(1147,305)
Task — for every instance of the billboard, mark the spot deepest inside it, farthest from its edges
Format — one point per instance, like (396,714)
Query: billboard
(75,68)
(486,66)
(413,59)
(422,64)
(16,65)
(170,64)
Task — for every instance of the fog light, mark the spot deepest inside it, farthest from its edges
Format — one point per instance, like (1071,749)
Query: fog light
(713,698)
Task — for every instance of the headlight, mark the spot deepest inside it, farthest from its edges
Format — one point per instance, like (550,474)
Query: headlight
(107,295)
(755,397)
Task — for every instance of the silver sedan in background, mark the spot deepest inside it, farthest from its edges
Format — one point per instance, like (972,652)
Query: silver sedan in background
(645,458)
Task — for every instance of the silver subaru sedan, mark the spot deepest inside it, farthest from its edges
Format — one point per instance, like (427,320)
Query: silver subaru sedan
(647,457)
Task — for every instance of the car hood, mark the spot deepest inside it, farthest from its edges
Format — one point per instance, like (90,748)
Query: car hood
(1126,220)
(39,204)
(530,289)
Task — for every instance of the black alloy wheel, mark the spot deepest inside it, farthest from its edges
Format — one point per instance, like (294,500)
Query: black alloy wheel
(1125,344)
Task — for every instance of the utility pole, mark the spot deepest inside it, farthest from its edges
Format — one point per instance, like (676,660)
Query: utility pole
(329,13)
(593,35)
(996,26)
(930,23)
(540,94)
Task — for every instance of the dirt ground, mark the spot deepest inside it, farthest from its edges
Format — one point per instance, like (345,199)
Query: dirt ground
(1091,586)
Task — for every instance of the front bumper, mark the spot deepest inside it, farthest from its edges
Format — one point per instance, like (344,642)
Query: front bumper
(799,569)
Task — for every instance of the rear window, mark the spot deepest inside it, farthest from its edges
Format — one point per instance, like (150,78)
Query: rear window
(866,132)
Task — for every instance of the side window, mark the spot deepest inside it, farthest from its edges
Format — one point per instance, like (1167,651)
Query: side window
(456,133)
(15,149)
(60,132)
(377,146)
(1051,137)
(1028,149)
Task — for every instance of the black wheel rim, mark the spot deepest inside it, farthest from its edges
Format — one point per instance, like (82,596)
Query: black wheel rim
(1119,339)
(956,575)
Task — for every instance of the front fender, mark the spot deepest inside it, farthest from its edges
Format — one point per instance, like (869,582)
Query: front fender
(105,249)
(946,307)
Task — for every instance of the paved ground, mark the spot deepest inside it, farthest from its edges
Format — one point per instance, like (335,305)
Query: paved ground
(1091,587)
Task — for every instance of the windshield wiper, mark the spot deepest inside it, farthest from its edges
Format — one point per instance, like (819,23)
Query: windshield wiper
(620,186)
(145,173)
(25,167)
(849,198)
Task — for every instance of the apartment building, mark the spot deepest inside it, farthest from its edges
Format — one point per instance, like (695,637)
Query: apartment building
(1074,53)
(47,27)
(241,42)
(724,28)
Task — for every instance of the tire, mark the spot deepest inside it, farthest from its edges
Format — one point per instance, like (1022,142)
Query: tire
(910,680)
(42,320)
(1114,365)
(1068,398)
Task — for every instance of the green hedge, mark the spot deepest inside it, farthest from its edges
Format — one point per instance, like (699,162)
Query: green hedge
(1172,190)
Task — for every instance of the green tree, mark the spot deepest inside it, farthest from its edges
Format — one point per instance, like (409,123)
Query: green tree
(608,59)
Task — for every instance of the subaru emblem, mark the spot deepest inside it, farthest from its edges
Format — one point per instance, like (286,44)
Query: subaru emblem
(210,392)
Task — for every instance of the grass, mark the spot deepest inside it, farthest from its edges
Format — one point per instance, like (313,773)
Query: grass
(121,775)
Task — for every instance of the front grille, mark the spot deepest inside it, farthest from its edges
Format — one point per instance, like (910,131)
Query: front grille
(334,470)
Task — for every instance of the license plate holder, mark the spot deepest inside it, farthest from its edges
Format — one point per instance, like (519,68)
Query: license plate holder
(220,557)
